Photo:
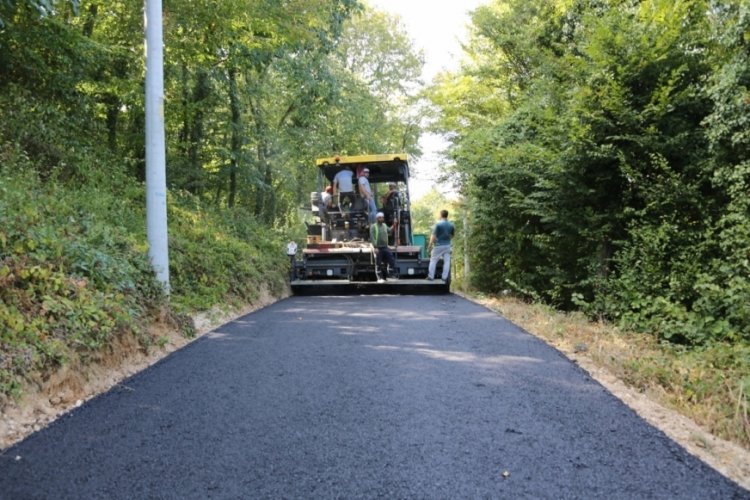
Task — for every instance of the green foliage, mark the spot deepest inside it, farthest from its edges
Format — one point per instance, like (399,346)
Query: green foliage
(71,279)
(266,87)
(41,7)
(709,383)
(74,272)
(604,150)
(426,210)
(254,91)
(217,257)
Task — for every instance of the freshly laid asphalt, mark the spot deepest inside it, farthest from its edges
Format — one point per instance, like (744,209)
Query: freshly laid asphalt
(358,397)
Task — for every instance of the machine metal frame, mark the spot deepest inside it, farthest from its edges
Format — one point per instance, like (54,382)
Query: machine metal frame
(338,255)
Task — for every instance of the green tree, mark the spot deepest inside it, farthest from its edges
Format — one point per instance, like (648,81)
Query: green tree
(602,149)
(254,91)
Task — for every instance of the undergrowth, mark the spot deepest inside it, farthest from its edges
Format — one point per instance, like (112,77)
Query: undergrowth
(711,384)
(74,271)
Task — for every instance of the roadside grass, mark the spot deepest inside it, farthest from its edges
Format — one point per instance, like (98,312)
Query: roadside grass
(75,277)
(710,384)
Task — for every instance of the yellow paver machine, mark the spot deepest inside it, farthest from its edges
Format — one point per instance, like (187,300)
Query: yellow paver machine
(338,255)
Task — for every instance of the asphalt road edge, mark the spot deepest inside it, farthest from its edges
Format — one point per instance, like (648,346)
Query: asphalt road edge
(730,460)
(36,410)
(43,404)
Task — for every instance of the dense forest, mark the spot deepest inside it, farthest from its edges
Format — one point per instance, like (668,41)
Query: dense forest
(255,90)
(603,147)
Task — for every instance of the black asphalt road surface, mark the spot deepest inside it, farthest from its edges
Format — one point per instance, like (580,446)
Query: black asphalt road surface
(359,397)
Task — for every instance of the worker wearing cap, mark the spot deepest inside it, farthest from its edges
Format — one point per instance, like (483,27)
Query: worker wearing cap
(366,192)
(379,239)
(391,202)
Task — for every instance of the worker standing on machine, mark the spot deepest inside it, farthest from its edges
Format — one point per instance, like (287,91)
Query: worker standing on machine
(343,186)
(391,202)
(365,190)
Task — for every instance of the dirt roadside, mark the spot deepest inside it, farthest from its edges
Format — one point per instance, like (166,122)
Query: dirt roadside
(74,384)
(69,388)
(726,457)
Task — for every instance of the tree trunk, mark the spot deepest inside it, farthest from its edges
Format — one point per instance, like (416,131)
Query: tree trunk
(264,198)
(112,104)
(185,131)
(269,206)
(195,140)
(111,101)
(235,150)
(88,25)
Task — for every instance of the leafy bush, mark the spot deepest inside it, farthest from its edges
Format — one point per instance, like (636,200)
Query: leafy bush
(610,173)
(74,270)
(70,282)
(214,257)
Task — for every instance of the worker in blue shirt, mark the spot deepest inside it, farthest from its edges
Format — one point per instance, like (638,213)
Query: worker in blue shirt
(440,244)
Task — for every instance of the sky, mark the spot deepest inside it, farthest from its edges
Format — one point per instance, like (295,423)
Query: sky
(437,27)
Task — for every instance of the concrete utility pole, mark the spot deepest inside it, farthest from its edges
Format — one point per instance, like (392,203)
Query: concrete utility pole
(156,178)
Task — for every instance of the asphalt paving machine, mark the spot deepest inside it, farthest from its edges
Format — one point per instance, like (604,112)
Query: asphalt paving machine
(338,256)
